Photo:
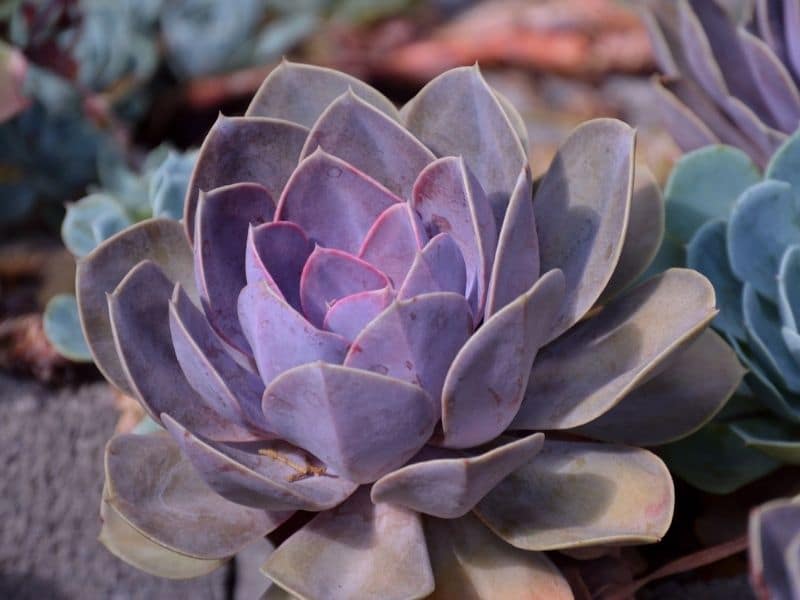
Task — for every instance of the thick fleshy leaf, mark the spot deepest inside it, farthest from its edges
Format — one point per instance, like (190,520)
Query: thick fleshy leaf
(357,550)
(415,340)
(774,528)
(774,81)
(704,186)
(789,289)
(470,563)
(439,267)
(686,128)
(781,402)
(361,424)
(99,273)
(330,275)
(695,386)
(275,476)
(708,254)
(62,326)
(277,253)
(716,460)
(224,217)
(575,494)
(582,207)
(300,93)
(244,149)
(363,136)
(158,492)
(352,313)
(769,20)
(281,337)
(486,382)
(716,56)
(791,18)
(458,114)
(231,390)
(394,241)
(644,235)
(706,114)
(450,487)
(516,263)
(450,200)
(139,312)
(785,163)
(126,543)
(587,371)
(333,202)
(775,438)
(763,326)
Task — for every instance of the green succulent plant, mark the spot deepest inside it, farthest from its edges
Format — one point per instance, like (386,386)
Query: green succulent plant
(730,70)
(741,229)
(368,316)
(123,198)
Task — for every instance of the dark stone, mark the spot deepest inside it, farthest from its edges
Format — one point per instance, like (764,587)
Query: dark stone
(51,476)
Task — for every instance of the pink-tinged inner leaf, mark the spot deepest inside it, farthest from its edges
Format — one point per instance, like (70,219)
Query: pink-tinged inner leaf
(370,141)
(333,202)
(439,267)
(450,200)
(276,253)
(393,242)
(224,216)
(281,337)
(230,389)
(415,340)
(352,313)
(330,275)
(361,424)
(273,475)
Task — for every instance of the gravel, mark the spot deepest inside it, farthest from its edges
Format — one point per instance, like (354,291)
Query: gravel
(51,475)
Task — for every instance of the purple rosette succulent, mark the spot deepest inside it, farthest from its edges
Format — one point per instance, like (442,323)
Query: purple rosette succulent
(369,319)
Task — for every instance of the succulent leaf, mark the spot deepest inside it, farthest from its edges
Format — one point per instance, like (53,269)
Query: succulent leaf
(233,152)
(699,380)
(582,206)
(389,539)
(301,93)
(693,198)
(449,486)
(158,493)
(622,495)
(63,328)
(373,423)
(588,370)
(469,560)
(333,202)
(100,272)
(486,382)
(439,267)
(363,136)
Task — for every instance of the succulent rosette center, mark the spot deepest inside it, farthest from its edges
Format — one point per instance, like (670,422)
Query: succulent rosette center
(374,320)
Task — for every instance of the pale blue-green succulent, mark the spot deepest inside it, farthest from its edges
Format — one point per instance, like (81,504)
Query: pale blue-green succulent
(741,229)
(123,198)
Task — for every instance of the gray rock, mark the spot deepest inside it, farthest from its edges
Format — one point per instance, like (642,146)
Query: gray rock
(51,476)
